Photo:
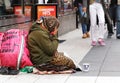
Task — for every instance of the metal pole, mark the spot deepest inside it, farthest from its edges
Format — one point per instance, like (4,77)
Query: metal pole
(23,6)
(43,1)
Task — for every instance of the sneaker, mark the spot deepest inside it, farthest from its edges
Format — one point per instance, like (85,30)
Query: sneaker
(93,43)
(118,36)
(101,42)
(109,35)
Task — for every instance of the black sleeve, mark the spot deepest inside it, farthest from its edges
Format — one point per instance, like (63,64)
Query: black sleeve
(76,3)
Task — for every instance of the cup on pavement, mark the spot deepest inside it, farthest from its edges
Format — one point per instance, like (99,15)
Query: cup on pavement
(86,67)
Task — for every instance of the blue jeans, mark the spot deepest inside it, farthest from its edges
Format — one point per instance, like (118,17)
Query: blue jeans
(118,19)
(84,26)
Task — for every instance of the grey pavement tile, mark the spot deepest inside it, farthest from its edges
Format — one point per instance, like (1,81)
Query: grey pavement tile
(95,55)
(96,58)
(112,54)
(113,51)
(82,77)
(33,78)
(56,78)
(115,44)
(98,50)
(108,79)
(114,48)
(112,58)
(4,78)
(21,78)
(110,74)
(111,66)
(86,74)
(111,63)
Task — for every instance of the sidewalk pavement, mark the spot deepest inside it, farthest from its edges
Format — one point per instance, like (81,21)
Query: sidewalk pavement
(103,60)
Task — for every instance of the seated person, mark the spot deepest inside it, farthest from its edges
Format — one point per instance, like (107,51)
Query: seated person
(43,44)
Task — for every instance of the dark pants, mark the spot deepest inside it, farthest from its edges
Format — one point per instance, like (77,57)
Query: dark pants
(118,20)
(2,10)
(109,26)
(108,19)
(112,11)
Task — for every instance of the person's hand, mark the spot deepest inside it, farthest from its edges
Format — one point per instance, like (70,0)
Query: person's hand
(54,32)
(75,8)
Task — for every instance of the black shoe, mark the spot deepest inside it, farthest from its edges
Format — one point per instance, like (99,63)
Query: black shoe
(118,36)
(12,71)
(4,71)
(78,69)
(8,71)
(110,34)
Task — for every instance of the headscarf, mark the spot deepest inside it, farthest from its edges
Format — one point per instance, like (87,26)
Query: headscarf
(50,22)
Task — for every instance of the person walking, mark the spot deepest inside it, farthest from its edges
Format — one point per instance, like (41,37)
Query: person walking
(96,9)
(5,7)
(112,8)
(108,18)
(78,4)
(118,20)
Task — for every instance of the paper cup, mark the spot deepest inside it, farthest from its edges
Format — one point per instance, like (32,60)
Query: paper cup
(86,67)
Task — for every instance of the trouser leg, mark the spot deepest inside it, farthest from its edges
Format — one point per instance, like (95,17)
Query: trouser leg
(93,25)
(101,18)
(118,21)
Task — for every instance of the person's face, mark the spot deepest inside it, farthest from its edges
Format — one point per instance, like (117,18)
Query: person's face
(54,31)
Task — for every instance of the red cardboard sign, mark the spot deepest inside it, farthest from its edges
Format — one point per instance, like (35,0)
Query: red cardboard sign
(46,11)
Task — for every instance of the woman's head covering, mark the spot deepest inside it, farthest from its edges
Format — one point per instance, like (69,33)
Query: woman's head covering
(50,22)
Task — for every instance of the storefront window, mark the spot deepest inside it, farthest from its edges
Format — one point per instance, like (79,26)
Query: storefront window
(28,1)
(65,6)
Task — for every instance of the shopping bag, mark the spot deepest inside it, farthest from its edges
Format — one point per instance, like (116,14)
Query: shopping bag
(14,52)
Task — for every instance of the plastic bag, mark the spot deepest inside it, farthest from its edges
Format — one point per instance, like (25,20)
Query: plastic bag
(11,49)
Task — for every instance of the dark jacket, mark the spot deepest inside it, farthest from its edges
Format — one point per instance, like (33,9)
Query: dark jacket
(41,44)
(76,3)
(113,2)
